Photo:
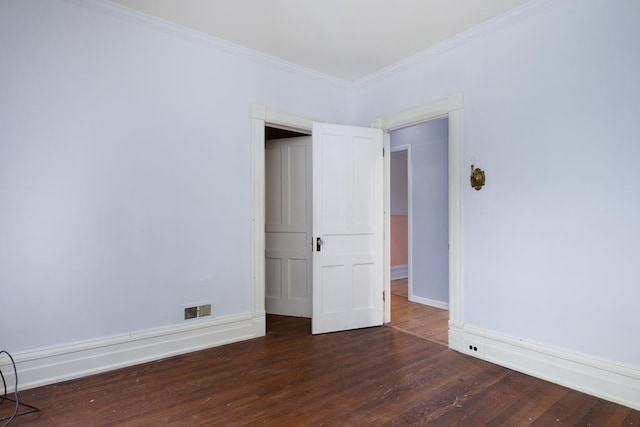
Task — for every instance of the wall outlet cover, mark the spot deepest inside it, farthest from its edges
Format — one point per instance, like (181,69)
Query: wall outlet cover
(190,312)
(204,310)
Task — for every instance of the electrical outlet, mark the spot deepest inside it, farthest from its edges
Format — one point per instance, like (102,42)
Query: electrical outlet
(204,310)
(190,312)
(473,347)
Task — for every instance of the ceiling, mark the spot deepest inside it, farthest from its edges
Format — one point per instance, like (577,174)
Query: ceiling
(346,39)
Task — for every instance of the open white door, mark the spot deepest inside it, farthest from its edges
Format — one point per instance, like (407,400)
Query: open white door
(347,228)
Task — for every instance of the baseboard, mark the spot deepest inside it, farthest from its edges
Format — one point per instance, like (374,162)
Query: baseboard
(611,381)
(607,380)
(399,272)
(430,302)
(52,365)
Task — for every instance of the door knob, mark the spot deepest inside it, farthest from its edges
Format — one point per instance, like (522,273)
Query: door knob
(319,243)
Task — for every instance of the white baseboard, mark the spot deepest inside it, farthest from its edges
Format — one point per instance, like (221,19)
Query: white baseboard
(399,272)
(430,302)
(51,365)
(610,381)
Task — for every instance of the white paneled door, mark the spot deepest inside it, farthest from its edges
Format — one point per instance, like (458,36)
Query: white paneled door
(288,226)
(347,228)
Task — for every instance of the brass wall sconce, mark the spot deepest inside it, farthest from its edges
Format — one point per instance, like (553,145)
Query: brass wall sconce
(477,178)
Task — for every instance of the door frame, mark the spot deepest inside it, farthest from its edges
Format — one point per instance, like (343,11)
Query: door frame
(407,149)
(451,108)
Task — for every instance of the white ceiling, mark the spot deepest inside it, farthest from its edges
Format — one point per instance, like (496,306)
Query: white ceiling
(347,39)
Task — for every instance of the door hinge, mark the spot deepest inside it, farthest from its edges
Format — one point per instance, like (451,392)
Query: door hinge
(383,297)
(382,151)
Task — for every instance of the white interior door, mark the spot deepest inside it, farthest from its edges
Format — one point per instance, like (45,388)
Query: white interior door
(288,226)
(347,228)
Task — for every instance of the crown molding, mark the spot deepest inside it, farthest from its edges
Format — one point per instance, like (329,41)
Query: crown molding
(124,13)
(506,19)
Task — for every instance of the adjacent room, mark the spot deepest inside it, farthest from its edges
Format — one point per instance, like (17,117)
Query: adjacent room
(419,187)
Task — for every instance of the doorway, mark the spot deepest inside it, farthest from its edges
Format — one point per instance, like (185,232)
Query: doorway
(288,268)
(343,167)
(400,212)
(419,229)
(452,108)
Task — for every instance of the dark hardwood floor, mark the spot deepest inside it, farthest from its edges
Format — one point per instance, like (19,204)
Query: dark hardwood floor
(376,376)
(427,322)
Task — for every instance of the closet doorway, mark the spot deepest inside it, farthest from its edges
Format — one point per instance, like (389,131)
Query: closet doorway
(288,216)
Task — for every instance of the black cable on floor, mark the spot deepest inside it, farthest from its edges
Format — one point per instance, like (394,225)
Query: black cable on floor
(15,389)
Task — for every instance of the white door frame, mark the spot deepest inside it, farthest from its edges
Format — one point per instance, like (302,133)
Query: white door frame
(406,148)
(451,107)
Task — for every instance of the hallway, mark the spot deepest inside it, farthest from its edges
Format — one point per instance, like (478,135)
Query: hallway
(422,320)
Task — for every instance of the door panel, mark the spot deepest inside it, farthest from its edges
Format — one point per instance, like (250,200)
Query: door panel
(288,226)
(348,217)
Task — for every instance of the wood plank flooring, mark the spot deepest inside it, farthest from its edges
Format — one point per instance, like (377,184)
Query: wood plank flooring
(368,377)
(428,322)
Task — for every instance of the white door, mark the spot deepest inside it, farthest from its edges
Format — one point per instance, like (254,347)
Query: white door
(347,228)
(288,226)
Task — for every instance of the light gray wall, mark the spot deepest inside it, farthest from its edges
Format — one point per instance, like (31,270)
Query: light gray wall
(429,213)
(551,102)
(125,171)
(398,183)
